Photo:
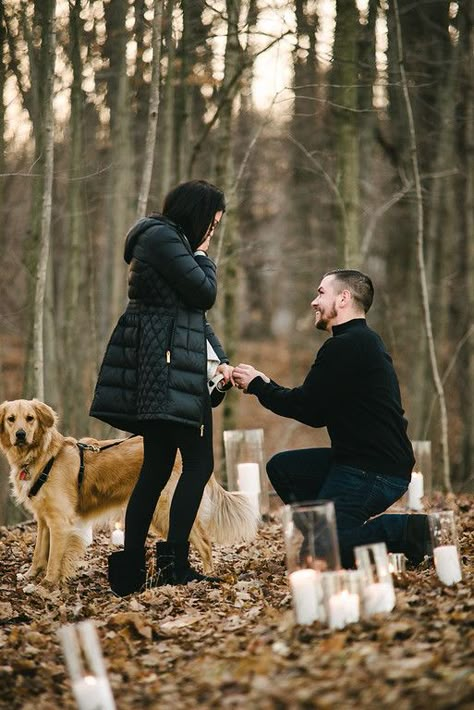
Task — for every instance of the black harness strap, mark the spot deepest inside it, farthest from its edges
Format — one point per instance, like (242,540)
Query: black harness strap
(43,477)
(88,447)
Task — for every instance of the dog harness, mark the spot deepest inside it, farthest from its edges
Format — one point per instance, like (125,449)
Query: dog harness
(42,478)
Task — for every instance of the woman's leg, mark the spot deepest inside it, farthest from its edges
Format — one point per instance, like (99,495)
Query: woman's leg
(159,453)
(198,464)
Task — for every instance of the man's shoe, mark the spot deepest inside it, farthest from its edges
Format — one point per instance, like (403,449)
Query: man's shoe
(418,539)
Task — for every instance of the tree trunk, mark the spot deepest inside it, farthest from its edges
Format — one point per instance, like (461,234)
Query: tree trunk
(167,106)
(228,275)
(152,113)
(346,137)
(72,399)
(49,40)
(421,258)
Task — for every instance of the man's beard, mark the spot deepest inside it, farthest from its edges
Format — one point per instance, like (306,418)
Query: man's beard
(323,320)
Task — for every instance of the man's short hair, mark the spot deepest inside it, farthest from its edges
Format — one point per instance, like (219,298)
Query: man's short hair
(359,284)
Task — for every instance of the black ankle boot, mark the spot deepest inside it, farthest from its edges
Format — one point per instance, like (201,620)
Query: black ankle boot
(418,540)
(173,565)
(127,572)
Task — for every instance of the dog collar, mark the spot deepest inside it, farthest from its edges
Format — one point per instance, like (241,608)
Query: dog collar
(42,478)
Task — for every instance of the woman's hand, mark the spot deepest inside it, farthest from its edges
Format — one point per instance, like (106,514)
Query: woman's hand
(244,374)
(227,371)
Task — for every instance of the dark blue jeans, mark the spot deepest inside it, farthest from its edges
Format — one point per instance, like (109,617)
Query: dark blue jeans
(358,496)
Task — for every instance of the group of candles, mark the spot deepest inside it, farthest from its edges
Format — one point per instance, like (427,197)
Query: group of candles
(340,597)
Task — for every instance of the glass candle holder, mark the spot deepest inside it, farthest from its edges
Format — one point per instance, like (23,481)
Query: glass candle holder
(341,595)
(397,563)
(378,595)
(311,547)
(311,536)
(422,451)
(85,663)
(445,546)
(245,465)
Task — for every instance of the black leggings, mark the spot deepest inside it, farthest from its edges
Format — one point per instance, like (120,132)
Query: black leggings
(161,441)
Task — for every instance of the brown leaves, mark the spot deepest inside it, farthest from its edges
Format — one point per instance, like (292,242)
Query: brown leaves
(236,645)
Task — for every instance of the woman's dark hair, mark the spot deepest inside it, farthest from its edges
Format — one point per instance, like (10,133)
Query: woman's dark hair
(192,206)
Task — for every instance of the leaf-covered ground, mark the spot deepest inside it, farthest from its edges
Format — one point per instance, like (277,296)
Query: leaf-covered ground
(236,645)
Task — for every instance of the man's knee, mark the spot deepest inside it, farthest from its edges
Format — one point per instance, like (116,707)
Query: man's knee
(276,468)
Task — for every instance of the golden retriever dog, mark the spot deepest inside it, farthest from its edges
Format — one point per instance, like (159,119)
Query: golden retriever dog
(30,440)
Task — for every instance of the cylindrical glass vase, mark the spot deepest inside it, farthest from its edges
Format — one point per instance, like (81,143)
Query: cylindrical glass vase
(445,546)
(378,595)
(311,547)
(311,536)
(245,465)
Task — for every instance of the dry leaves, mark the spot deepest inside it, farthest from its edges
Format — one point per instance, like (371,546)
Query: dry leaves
(236,646)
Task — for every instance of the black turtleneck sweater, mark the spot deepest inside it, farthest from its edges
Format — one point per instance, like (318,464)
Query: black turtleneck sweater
(351,389)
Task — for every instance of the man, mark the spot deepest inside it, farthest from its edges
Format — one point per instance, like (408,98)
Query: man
(351,389)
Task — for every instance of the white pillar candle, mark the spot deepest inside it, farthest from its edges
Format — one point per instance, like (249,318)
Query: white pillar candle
(248,477)
(415,491)
(93,693)
(303,585)
(447,564)
(117,537)
(379,597)
(343,608)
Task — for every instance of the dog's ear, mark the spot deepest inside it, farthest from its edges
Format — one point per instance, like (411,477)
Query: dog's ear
(3,409)
(47,416)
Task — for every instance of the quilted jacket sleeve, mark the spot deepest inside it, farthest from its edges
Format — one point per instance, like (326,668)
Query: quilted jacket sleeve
(194,278)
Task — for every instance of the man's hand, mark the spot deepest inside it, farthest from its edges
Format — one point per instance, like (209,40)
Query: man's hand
(244,374)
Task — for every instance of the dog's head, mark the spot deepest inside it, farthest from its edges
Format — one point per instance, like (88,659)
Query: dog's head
(23,423)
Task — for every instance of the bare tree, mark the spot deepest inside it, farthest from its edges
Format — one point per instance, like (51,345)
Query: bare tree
(153,108)
(420,255)
(49,39)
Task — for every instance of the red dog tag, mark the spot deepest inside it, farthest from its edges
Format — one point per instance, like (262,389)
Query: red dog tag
(24,475)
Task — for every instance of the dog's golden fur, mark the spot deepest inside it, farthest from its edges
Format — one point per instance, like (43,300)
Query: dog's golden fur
(29,438)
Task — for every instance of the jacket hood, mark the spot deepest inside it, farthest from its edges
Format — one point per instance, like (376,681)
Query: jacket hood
(132,237)
(141,226)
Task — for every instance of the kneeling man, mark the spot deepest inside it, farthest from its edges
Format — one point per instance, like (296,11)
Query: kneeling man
(352,389)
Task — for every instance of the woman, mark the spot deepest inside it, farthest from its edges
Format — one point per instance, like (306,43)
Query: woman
(153,380)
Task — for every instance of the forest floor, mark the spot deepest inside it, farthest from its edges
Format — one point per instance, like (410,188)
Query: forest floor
(236,645)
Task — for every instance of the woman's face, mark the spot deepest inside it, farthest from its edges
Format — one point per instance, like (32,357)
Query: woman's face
(214,223)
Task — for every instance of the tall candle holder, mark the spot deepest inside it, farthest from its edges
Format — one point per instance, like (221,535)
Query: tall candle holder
(397,563)
(86,667)
(445,546)
(311,547)
(245,465)
(422,452)
(378,593)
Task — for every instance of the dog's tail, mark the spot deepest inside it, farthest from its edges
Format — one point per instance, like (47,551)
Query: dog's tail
(228,518)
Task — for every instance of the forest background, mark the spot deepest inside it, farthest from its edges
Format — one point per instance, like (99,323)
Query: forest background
(343,135)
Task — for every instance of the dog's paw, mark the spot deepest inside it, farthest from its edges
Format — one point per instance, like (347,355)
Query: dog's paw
(33,572)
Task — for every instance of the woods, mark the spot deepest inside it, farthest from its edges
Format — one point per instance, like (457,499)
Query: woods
(342,133)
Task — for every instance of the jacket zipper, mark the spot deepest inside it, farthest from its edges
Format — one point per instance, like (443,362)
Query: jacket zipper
(170,340)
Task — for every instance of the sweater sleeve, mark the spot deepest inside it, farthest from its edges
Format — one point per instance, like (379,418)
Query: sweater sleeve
(216,344)
(194,278)
(312,402)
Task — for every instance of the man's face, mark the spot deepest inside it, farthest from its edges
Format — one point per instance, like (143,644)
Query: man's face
(324,304)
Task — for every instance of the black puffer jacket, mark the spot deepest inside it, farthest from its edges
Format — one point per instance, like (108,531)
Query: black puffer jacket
(155,362)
